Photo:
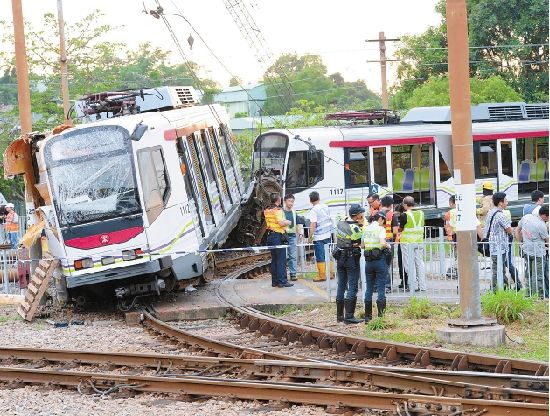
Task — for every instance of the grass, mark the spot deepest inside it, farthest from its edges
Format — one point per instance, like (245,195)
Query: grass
(418,309)
(527,338)
(506,305)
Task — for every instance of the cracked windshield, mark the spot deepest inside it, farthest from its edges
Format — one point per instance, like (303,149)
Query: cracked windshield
(98,183)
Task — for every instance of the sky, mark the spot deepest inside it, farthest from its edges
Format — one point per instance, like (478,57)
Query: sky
(335,30)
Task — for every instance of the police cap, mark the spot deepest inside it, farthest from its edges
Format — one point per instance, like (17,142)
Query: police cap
(356,209)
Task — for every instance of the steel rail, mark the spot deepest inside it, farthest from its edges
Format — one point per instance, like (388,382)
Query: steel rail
(421,381)
(287,392)
(224,349)
(389,352)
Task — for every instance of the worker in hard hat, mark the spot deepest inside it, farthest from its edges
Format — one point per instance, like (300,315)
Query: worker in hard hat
(12,225)
(486,201)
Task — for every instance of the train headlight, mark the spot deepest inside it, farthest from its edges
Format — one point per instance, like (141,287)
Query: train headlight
(132,254)
(86,263)
(105,261)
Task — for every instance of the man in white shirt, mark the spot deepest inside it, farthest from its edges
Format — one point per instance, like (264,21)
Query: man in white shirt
(320,232)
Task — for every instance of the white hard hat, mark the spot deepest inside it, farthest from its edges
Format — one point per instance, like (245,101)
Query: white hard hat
(10,205)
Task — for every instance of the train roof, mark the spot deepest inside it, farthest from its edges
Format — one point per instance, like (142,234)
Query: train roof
(417,133)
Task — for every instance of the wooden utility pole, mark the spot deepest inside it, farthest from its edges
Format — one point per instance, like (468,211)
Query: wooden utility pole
(463,161)
(383,59)
(22,70)
(63,63)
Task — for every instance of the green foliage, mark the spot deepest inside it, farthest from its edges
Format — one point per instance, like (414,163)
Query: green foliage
(241,114)
(379,324)
(418,309)
(435,92)
(507,305)
(244,144)
(508,39)
(293,79)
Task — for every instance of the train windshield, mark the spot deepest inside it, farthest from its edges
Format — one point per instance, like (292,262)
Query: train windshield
(270,152)
(91,174)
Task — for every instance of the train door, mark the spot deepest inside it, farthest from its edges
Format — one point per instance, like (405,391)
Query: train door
(192,205)
(214,155)
(197,177)
(379,162)
(485,163)
(229,166)
(357,175)
(209,177)
(507,174)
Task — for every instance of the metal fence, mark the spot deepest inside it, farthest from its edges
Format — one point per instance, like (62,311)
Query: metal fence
(430,269)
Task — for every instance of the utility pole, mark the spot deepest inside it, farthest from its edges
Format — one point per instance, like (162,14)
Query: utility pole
(63,63)
(471,327)
(383,59)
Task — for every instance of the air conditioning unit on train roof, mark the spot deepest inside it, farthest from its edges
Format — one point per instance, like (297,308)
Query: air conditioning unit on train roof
(480,112)
(120,103)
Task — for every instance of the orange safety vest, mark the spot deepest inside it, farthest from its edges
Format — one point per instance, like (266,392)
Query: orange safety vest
(12,224)
(272,218)
(389,231)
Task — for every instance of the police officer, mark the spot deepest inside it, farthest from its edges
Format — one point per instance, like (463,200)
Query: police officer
(376,268)
(347,254)
(276,227)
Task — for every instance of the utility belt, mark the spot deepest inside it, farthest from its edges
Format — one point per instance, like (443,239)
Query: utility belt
(354,252)
(378,253)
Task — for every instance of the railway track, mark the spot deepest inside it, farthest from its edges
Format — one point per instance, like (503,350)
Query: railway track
(411,391)
(387,352)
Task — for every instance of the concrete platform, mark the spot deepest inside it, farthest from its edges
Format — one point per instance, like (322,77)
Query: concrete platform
(204,302)
(484,336)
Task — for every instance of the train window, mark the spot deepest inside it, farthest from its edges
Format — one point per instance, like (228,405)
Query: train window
(532,159)
(155,182)
(380,166)
(444,171)
(206,157)
(305,169)
(485,159)
(506,158)
(358,168)
(270,152)
(222,145)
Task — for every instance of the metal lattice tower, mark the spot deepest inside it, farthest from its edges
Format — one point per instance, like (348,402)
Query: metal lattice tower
(259,46)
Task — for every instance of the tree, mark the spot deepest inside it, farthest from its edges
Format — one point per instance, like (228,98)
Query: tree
(292,79)
(508,38)
(235,81)
(435,92)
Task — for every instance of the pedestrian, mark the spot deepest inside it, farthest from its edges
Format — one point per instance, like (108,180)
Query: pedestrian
(399,209)
(347,254)
(411,226)
(276,227)
(486,202)
(374,203)
(12,225)
(497,229)
(386,207)
(320,233)
(537,199)
(294,232)
(450,230)
(3,214)
(376,268)
(533,233)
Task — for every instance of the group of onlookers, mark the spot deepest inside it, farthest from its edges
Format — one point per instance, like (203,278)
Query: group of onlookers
(367,233)
(495,226)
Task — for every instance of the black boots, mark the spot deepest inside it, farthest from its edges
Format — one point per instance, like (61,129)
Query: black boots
(349,306)
(340,311)
(381,305)
(368,311)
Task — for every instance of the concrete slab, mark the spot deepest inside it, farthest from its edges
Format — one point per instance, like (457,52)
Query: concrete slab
(11,299)
(484,336)
(204,303)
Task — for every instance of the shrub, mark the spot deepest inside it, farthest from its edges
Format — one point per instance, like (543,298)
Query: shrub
(378,324)
(418,309)
(507,305)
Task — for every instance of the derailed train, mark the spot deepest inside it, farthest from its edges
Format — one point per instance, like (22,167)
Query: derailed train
(131,197)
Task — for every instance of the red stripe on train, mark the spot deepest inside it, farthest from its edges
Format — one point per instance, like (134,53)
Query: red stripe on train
(104,239)
(516,135)
(382,142)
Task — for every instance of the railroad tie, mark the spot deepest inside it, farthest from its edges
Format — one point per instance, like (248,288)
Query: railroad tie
(37,287)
